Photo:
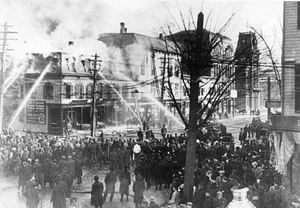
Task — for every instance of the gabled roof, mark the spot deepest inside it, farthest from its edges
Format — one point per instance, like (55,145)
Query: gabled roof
(121,40)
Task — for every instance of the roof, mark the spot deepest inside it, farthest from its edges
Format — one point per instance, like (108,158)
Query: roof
(182,35)
(121,40)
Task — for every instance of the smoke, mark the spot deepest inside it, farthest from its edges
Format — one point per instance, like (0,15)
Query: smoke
(46,26)
(124,63)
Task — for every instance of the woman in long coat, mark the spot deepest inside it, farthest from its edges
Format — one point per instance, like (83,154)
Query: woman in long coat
(138,189)
(97,190)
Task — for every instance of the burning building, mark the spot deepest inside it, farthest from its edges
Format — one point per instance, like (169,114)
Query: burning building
(61,98)
(139,68)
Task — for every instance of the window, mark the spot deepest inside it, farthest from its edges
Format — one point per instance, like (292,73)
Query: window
(144,64)
(88,91)
(68,91)
(22,92)
(48,90)
(106,91)
(142,69)
(100,91)
(29,85)
(227,71)
(79,91)
(153,72)
(215,70)
(297,88)
(176,69)
(176,89)
(228,52)
(170,71)
(202,91)
(115,92)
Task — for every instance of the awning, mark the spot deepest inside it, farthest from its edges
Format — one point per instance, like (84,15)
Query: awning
(76,106)
(282,148)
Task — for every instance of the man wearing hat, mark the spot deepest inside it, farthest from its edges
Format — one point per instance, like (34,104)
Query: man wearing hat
(152,203)
(219,201)
(220,179)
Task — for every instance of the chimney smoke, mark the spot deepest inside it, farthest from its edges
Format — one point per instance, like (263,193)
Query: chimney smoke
(122,27)
(71,43)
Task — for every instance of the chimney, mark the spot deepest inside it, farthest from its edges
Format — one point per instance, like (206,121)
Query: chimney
(160,36)
(125,30)
(122,27)
(71,43)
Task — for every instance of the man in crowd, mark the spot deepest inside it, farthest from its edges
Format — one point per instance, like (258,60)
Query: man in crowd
(110,180)
(163,132)
(219,201)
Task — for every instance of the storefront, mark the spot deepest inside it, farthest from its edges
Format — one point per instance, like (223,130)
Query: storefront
(76,115)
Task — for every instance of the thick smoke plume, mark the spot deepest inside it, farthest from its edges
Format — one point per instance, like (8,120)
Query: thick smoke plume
(47,26)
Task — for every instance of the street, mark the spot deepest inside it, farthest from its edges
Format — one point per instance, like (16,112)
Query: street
(10,198)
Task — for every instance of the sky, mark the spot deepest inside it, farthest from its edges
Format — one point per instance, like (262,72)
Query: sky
(45,25)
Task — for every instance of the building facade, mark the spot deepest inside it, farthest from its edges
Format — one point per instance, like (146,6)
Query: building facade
(142,68)
(247,78)
(57,93)
(285,128)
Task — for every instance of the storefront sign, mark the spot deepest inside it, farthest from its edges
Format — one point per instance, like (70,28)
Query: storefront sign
(273,104)
(78,102)
(36,112)
(285,123)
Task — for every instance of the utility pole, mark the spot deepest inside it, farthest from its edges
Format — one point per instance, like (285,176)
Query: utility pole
(166,61)
(3,55)
(94,119)
(195,61)
(269,98)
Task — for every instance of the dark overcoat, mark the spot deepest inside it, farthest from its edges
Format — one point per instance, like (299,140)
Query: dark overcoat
(138,189)
(125,181)
(96,192)
(58,197)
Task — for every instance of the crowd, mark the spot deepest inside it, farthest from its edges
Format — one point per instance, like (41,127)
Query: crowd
(42,161)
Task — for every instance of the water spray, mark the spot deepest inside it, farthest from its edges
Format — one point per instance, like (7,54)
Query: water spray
(23,104)
(160,105)
(121,98)
(11,79)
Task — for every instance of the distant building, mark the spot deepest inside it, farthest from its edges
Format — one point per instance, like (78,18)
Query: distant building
(247,64)
(221,67)
(139,68)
